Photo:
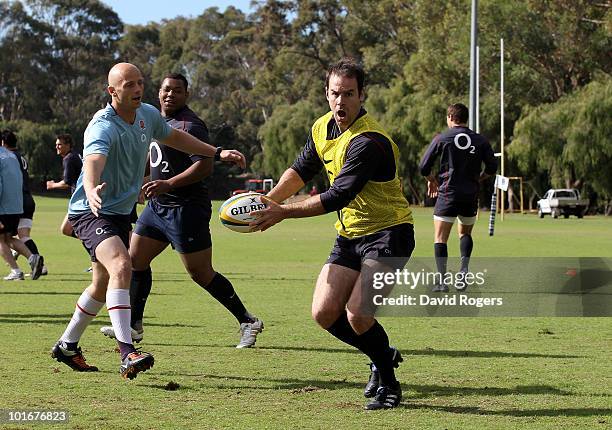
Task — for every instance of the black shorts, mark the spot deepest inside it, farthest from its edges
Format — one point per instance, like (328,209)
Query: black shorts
(92,230)
(451,208)
(28,206)
(184,227)
(10,223)
(394,245)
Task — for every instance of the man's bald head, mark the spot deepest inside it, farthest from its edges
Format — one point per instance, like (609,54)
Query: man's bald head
(120,72)
(126,86)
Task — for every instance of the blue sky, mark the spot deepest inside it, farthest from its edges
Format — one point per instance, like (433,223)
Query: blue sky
(142,12)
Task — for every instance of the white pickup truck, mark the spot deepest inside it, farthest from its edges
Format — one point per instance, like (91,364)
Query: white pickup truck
(564,202)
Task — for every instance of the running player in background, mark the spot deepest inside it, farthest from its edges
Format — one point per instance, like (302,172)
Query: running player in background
(24,228)
(462,153)
(72,163)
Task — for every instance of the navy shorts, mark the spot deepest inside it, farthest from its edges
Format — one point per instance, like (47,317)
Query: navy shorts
(184,227)
(92,230)
(10,223)
(450,208)
(394,245)
(28,206)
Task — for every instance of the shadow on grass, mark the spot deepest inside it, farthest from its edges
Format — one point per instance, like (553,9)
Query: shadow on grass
(271,383)
(445,390)
(405,352)
(436,352)
(485,354)
(301,385)
(233,346)
(59,321)
(36,316)
(65,318)
(38,293)
(562,412)
(58,293)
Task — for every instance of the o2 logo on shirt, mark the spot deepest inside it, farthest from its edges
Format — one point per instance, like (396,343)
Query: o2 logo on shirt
(466,145)
(158,159)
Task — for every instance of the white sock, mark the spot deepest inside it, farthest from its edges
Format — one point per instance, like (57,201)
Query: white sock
(86,310)
(119,311)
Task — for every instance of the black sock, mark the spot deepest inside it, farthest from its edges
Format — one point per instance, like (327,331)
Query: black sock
(441,254)
(31,246)
(342,330)
(70,346)
(140,288)
(375,344)
(223,291)
(125,349)
(466,244)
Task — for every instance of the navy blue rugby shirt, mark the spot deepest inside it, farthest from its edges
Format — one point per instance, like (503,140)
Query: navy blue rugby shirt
(462,153)
(72,165)
(23,165)
(369,157)
(167,162)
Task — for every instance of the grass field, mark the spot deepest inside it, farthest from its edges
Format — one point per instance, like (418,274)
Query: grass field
(472,373)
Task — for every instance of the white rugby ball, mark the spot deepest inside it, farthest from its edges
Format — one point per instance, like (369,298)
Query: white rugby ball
(235,212)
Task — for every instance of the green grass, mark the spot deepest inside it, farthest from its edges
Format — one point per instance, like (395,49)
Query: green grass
(476,373)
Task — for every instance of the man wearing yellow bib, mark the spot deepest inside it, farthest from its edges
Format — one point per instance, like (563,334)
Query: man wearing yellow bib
(374,220)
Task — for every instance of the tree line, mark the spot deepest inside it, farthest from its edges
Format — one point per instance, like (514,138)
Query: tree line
(257,79)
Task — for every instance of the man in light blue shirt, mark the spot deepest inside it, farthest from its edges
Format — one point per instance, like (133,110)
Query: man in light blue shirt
(24,228)
(11,183)
(11,208)
(116,143)
(110,136)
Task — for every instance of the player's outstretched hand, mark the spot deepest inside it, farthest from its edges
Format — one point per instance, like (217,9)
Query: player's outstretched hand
(233,156)
(155,188)
(94,197)
(267,217)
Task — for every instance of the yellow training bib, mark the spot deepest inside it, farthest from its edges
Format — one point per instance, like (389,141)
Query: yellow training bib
(378,205)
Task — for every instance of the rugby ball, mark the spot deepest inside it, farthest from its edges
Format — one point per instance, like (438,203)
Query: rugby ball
(235,212)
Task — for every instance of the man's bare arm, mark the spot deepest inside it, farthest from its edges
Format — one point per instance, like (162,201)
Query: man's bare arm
(195,173)
(60,185)
(288,184)
(185,142)
(93,166)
